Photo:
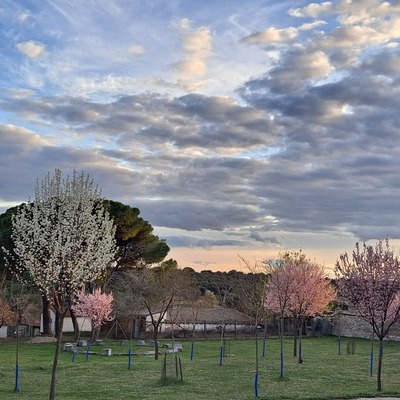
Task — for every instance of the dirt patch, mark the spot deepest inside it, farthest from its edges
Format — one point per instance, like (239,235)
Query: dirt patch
(42,339)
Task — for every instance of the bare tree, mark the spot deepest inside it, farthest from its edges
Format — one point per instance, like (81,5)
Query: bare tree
(62,239)
(150,290)
(278,291)
(370,281)
(197,301)
(251,292)
(7,315)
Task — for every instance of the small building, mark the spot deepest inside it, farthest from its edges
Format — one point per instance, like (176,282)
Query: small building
(206,320)
(68,327)
(181,320)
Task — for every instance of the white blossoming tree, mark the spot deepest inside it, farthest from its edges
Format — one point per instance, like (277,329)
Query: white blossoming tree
(63,239)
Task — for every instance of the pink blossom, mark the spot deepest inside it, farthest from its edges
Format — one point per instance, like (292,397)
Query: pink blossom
(97,307)
(371,282)
(298,287)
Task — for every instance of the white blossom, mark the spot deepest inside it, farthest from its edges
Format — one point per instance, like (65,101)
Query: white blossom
(63,238)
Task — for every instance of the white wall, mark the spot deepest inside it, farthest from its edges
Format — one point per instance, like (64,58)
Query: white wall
(3,332)
(83,323)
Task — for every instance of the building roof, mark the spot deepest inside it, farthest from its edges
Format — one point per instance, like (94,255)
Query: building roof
(214,315)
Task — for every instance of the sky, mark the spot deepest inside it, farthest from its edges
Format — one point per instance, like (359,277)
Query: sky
(240,129)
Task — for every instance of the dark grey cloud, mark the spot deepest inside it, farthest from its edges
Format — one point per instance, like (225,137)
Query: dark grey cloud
(269,240)
(26,157)
(337,168)
(198,214)
(202,163)
(197,241)
(151,120)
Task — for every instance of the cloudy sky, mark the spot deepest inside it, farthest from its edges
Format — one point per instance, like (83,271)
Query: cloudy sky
(236,127)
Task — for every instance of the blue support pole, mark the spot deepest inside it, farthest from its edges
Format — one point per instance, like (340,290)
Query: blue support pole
(73,356)
(339,342)
(256,385)
(16,387)
(371,364)
(129,359)
(264,348)
(221,355)
(87,352)
(192,351)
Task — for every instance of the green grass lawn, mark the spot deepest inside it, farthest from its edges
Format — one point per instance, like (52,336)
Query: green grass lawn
(324,373)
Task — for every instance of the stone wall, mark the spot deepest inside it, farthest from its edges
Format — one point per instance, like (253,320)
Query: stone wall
(349,325)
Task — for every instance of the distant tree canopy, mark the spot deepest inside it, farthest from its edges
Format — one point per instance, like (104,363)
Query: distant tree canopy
(226,286)
(5,234)
(136,242)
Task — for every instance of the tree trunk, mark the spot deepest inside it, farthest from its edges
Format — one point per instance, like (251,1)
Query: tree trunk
(264,340)
(94,334)
(257,359)
(74,324)
(59,326)
(300,359)
(57,317)
(257,365)
(379,374)
(155,338)
(46,316)
(281,322)
(296,329)
(371,358)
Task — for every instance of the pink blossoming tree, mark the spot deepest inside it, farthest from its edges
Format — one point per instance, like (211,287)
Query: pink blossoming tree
(297,288)
(311,293)
(370,280)
(97,307)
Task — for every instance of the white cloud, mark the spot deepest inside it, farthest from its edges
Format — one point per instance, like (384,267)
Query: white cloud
(366,11)
(300,67)
(391,45)
(22,17)
(272,35)
(31,49)
(136,50)
(19,93)
(311,25)
(349,36)
(313,10)
(197,47)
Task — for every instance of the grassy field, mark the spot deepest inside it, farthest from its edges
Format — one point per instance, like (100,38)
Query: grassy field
(324,373)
